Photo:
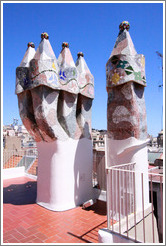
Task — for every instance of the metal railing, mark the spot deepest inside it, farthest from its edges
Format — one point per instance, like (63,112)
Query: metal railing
(156,199)
(19,158)
(123,216)
(120,193)
(11,158)
(134,202)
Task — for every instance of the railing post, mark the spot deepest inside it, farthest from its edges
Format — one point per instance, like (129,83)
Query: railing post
(25,158)
(143,206)
(126,201)
(135,221)
(108,200)
(108,183)
(112,201)
(151,186)
(119,203)
(161,199)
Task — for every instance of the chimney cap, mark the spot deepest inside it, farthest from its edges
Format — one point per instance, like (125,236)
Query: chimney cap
(44,35)
(31,44)
(65,45)
(80,54)
(124,25)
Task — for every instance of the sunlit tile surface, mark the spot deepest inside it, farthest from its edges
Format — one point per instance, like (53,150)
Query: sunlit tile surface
(26,222)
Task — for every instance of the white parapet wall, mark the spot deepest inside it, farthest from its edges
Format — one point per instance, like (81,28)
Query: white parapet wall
(143,227)
(107,236)
(16,172)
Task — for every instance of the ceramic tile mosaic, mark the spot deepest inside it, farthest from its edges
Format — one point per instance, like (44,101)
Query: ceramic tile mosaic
(54,95)
(125,73)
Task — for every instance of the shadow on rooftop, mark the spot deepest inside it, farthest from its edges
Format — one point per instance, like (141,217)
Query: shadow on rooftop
(99,207)
(20,194)
(90,234)
(79,237)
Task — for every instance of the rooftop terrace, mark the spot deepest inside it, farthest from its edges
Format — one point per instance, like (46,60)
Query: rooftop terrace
(26,222)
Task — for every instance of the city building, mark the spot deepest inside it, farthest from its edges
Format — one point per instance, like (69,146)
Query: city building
(12,134)
(160,139)
(98,138)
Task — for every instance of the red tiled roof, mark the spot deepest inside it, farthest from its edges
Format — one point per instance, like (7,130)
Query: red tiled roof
(26,222)
(33,168)
(12,162)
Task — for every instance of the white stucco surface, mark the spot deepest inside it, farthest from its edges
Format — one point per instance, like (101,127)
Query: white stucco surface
(106,236)
(64,173)
(15,172)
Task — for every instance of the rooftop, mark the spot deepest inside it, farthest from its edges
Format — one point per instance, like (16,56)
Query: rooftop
(26,222)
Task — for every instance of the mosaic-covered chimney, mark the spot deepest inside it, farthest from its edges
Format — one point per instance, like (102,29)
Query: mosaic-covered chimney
(126,111)
(55,103)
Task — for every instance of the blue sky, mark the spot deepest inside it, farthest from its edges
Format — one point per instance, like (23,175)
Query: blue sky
(91,28)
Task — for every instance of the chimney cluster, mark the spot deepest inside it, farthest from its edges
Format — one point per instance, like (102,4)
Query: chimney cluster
(52,93)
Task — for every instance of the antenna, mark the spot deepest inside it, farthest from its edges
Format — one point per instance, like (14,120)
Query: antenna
(161,56)
(15,122)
